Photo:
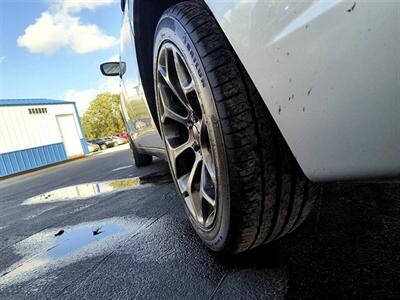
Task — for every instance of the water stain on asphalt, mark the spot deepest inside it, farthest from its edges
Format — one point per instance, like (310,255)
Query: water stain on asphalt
(87,190)
(49,250)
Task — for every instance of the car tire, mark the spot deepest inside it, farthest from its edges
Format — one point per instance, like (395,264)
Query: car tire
(260,193)
(140,159)
(103,147)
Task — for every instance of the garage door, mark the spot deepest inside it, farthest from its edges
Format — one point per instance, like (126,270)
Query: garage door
(70,136)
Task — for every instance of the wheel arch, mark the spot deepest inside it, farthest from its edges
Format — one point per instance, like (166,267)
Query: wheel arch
(146,16)
(147,13)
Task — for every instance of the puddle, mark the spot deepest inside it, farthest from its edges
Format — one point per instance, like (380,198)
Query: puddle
(75,239)
(58,247)
(83,191)
(87,190)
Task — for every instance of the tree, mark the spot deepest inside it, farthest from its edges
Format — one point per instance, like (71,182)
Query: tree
(103,117)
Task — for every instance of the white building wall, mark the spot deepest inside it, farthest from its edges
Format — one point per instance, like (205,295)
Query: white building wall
(20,130)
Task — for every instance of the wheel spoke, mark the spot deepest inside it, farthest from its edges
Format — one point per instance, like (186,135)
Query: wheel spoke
(206,189)
(184,78)
(176,151)
(187,88)
(210,168)
(204,186)
(191,194)
(206,151)
(210,219)
(167,111)
(196,199)
(172,76)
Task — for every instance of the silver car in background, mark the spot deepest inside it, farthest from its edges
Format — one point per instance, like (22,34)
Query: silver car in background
(119,141)
(255,103)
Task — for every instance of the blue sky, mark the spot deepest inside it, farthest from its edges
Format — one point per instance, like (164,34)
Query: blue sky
(53,48)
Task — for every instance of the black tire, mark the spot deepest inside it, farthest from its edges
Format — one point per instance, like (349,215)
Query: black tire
(262,192)
(140,159)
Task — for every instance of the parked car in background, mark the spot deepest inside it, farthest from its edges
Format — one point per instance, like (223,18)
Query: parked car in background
(103,143)
(119,140)
(255,103)
(93,147)
(124,136)
(111,141)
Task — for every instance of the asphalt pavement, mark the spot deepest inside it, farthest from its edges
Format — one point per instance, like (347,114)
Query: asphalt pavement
(121,232)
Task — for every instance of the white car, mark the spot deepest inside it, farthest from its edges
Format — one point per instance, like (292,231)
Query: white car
(119,141)
(255,103)
(93,147)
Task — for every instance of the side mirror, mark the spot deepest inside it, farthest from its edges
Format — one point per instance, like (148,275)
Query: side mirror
(113,68)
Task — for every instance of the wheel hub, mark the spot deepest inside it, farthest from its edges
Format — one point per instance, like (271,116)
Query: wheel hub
(186,136)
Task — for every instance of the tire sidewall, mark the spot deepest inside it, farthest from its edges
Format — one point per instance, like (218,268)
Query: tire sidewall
(170,29)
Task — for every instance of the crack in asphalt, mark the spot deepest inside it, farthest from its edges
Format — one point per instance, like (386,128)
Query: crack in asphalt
(218,286)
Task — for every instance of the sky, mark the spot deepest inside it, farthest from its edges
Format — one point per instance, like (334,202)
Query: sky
(53,48)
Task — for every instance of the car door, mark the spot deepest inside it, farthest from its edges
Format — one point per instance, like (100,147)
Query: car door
(139,122)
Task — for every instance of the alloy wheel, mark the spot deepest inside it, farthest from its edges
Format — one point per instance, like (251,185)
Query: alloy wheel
(186,136)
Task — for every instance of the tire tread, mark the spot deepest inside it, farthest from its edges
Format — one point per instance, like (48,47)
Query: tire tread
(262,169)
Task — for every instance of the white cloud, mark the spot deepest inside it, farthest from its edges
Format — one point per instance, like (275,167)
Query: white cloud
(78,5)
(114,58)
(57,28)
(84,97)
(110,84)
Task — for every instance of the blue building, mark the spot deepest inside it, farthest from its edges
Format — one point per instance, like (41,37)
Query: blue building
(38,132)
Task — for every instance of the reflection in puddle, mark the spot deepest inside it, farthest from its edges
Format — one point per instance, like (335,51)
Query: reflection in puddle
(83,191)
(45,251)
(77,238)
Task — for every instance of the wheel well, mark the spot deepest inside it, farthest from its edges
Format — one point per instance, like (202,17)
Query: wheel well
(146,16)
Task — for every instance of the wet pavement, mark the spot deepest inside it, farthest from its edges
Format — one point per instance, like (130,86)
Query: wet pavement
(47,250)
(126,236)
(89,190)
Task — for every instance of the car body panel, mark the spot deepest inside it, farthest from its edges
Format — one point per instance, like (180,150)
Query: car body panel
(136,114)
(329,73)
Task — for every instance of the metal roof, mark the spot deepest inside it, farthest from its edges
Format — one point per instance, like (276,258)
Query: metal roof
(17,102)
